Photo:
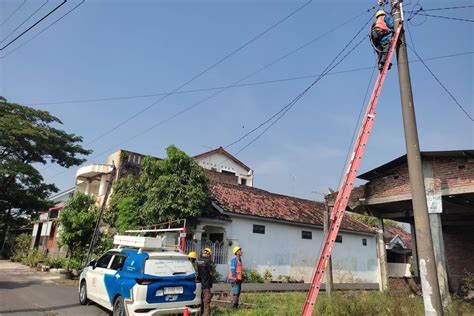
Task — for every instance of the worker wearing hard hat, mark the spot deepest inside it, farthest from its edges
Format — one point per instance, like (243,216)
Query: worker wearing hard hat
(236,276)
(380,34)
(204,265)
(192,256)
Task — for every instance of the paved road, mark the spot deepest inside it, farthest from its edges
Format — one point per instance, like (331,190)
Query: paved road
(27,292)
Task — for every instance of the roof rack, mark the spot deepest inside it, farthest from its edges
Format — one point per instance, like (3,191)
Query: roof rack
(153,238)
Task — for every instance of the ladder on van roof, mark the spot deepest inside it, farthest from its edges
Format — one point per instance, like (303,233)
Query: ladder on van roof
(146,242)
(345,190)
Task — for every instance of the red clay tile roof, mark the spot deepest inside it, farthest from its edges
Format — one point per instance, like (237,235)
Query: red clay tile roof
(390,232)
(244,200)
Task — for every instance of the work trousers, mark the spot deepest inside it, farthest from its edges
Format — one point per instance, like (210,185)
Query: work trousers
(381,46)
(235,290)
(206,302)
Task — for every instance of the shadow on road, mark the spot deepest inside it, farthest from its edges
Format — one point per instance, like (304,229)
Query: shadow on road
(51,309)
(17,285)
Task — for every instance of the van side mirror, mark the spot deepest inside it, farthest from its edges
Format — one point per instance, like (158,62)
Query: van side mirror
(92,264)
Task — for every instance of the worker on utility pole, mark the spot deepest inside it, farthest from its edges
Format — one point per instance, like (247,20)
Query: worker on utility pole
(236,276)
(204,265)
(381,36)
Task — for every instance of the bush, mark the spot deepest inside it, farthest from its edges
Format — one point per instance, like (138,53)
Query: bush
(467,284)
(22,243)
(252,276)
(267,275)
(32,258)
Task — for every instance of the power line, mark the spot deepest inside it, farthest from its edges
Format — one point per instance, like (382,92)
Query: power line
(354,132)
(241,85)
(440,83)
(286,108)
(26,20)
(13,13)
(292,104)
(32,26)
(443,17)
(252,84)
(282,112)
(445,8)
(44,30)
(188,108)
(253,39)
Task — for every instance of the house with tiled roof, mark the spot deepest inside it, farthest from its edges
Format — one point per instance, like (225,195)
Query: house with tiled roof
(398,247)
(283,235)
(278,233)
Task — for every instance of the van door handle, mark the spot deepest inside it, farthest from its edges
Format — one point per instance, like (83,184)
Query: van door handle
(117,276)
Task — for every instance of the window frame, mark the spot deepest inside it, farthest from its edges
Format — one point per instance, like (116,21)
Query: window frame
(111,253)
(364,241)
(338,239)
(305,232)
(257,231)
(116,255)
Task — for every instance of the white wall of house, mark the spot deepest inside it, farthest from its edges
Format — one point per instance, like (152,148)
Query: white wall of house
(283,251)
(219,162)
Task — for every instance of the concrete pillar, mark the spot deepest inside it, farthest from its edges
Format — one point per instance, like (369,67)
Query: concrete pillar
(435,209)
(440,256)
(103,184)
(414,263)
(328,273)
(198,237)
(88,187)
(382,257)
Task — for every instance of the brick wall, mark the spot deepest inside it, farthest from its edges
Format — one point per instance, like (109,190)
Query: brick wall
(396,183)
(459,247)
(453,173)
(221,177)
(448,173)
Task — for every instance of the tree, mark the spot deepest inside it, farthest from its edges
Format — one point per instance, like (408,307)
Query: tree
(77,220)
(168,189)
(29,136)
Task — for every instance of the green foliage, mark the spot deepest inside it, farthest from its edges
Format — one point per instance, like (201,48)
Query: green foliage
(77,219)
(168,189)
(215,276)
(22,247)
(22,243)
(28,136)
(467,284)
(372,221)
(267,275)
(252,276)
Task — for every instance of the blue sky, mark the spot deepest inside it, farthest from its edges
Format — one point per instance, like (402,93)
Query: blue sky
(122,48)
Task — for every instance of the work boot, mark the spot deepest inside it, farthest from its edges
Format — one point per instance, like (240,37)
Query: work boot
(389,66)
(380,66)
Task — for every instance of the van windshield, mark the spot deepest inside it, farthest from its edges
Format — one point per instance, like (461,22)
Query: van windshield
(168,267)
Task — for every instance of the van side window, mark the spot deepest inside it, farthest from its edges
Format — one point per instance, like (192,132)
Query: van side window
(103,261)
(117,262)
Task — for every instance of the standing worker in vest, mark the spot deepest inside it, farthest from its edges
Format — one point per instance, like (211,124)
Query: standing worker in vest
(380,34)
(236,276)
(204,265)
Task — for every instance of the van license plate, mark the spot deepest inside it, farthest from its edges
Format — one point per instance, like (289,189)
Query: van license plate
(173,290)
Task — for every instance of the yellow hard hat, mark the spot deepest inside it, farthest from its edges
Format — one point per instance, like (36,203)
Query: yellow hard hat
(208,250)
(193,255)
(379,13)
(236,248)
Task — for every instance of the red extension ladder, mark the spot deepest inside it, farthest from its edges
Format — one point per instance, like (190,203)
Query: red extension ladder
(346,187)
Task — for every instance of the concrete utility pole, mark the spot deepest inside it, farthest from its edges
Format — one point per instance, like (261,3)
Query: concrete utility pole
(327,224)
(427,264)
